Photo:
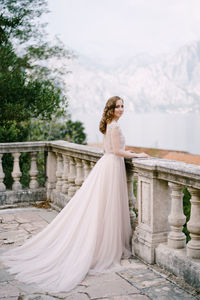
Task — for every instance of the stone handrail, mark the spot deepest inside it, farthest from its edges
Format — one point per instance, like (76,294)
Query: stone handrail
(159,194)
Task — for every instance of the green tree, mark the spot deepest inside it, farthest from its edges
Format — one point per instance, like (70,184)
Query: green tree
(57,130)
(28,88)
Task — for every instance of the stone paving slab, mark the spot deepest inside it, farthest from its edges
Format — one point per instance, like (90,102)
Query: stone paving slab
(108,285)
(154,285)
(134,281)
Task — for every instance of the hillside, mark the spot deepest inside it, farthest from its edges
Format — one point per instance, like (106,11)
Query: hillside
(170,83)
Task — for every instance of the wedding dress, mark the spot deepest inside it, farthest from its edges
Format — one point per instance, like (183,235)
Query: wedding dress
(89,235)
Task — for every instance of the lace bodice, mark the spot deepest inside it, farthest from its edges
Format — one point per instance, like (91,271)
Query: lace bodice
(113,139)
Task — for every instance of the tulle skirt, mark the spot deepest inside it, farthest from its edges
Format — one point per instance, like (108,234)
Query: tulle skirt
(89,235)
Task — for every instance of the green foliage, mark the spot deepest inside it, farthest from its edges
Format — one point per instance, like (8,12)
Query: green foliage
(56,130)
(7,164)
(15,19)
(31,83)
(74,132)
(186,210)
(135,188)
(14,132)
(23,97)
(29,88)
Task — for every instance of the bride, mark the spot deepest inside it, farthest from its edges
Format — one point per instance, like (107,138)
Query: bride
(92,232)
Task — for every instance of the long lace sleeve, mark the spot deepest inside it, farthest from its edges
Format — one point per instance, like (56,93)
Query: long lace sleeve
(115,140)
(103,145)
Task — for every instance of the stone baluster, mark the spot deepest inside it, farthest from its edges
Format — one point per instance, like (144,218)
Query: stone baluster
(87,168)
(131,198)
(135,179)
(51,174)
(176,238)
(193,246)
(59,172)
(16,173)
(92,164)
(2,175)
(71,178)
(79,173)
(65,174)
(33,171)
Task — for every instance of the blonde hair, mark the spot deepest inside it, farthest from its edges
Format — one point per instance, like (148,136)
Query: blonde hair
(108,113)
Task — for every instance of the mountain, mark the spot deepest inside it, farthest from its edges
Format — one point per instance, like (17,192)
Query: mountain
(170,83)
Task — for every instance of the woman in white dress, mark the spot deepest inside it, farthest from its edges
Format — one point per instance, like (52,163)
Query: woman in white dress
(92,233)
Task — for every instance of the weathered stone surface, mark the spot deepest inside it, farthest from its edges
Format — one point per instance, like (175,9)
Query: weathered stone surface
(142,278)
(10,237)
(7,290)
(5,276)
(108,285)
(79,289)
(37,297)
(21,196)
(154,285)
(175,261)
(166,291)
(133,263)
(6,217)
(27,288)
(77,296)
(129,297)
(47,215)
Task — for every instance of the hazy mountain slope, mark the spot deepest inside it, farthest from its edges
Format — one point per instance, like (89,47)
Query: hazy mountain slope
(169,84)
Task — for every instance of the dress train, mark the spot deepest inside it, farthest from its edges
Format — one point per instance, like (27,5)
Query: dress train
(89,235)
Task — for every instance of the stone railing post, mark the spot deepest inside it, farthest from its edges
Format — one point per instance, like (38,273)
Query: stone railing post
(131,198)
(79,173)
(153,211)
(87,167)
(51,173)
(65,174)
(59,172)
(176,238)
(33,171)
(193,246)
(16,173)
(92,164)
(2,175)
(71,178)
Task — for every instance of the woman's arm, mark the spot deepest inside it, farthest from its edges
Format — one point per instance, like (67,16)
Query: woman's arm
(115,140)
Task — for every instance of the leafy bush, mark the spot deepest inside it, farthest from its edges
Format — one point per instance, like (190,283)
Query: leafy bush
(186,210)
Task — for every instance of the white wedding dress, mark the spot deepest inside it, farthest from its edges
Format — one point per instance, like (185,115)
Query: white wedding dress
(89,235)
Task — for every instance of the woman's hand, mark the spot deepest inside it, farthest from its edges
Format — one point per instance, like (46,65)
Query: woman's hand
(138,155)
(143,155)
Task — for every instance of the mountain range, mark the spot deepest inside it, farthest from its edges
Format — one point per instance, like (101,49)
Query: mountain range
(168,83)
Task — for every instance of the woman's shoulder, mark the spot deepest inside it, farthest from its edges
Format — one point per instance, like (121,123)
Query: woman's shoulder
(113,124)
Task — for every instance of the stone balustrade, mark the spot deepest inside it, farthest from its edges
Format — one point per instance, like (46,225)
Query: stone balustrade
(18,194)
(157,231)
(158,237)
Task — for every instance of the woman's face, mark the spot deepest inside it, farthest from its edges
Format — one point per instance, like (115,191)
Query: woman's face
(119,109)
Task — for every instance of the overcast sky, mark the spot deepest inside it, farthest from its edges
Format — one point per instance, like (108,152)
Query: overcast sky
(108,29)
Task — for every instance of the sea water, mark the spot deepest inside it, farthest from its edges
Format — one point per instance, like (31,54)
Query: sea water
(173,131)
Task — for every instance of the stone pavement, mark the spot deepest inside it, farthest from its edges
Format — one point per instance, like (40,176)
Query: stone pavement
(135,281)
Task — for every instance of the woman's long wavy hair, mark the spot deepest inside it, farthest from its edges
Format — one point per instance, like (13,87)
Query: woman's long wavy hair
(108,113)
